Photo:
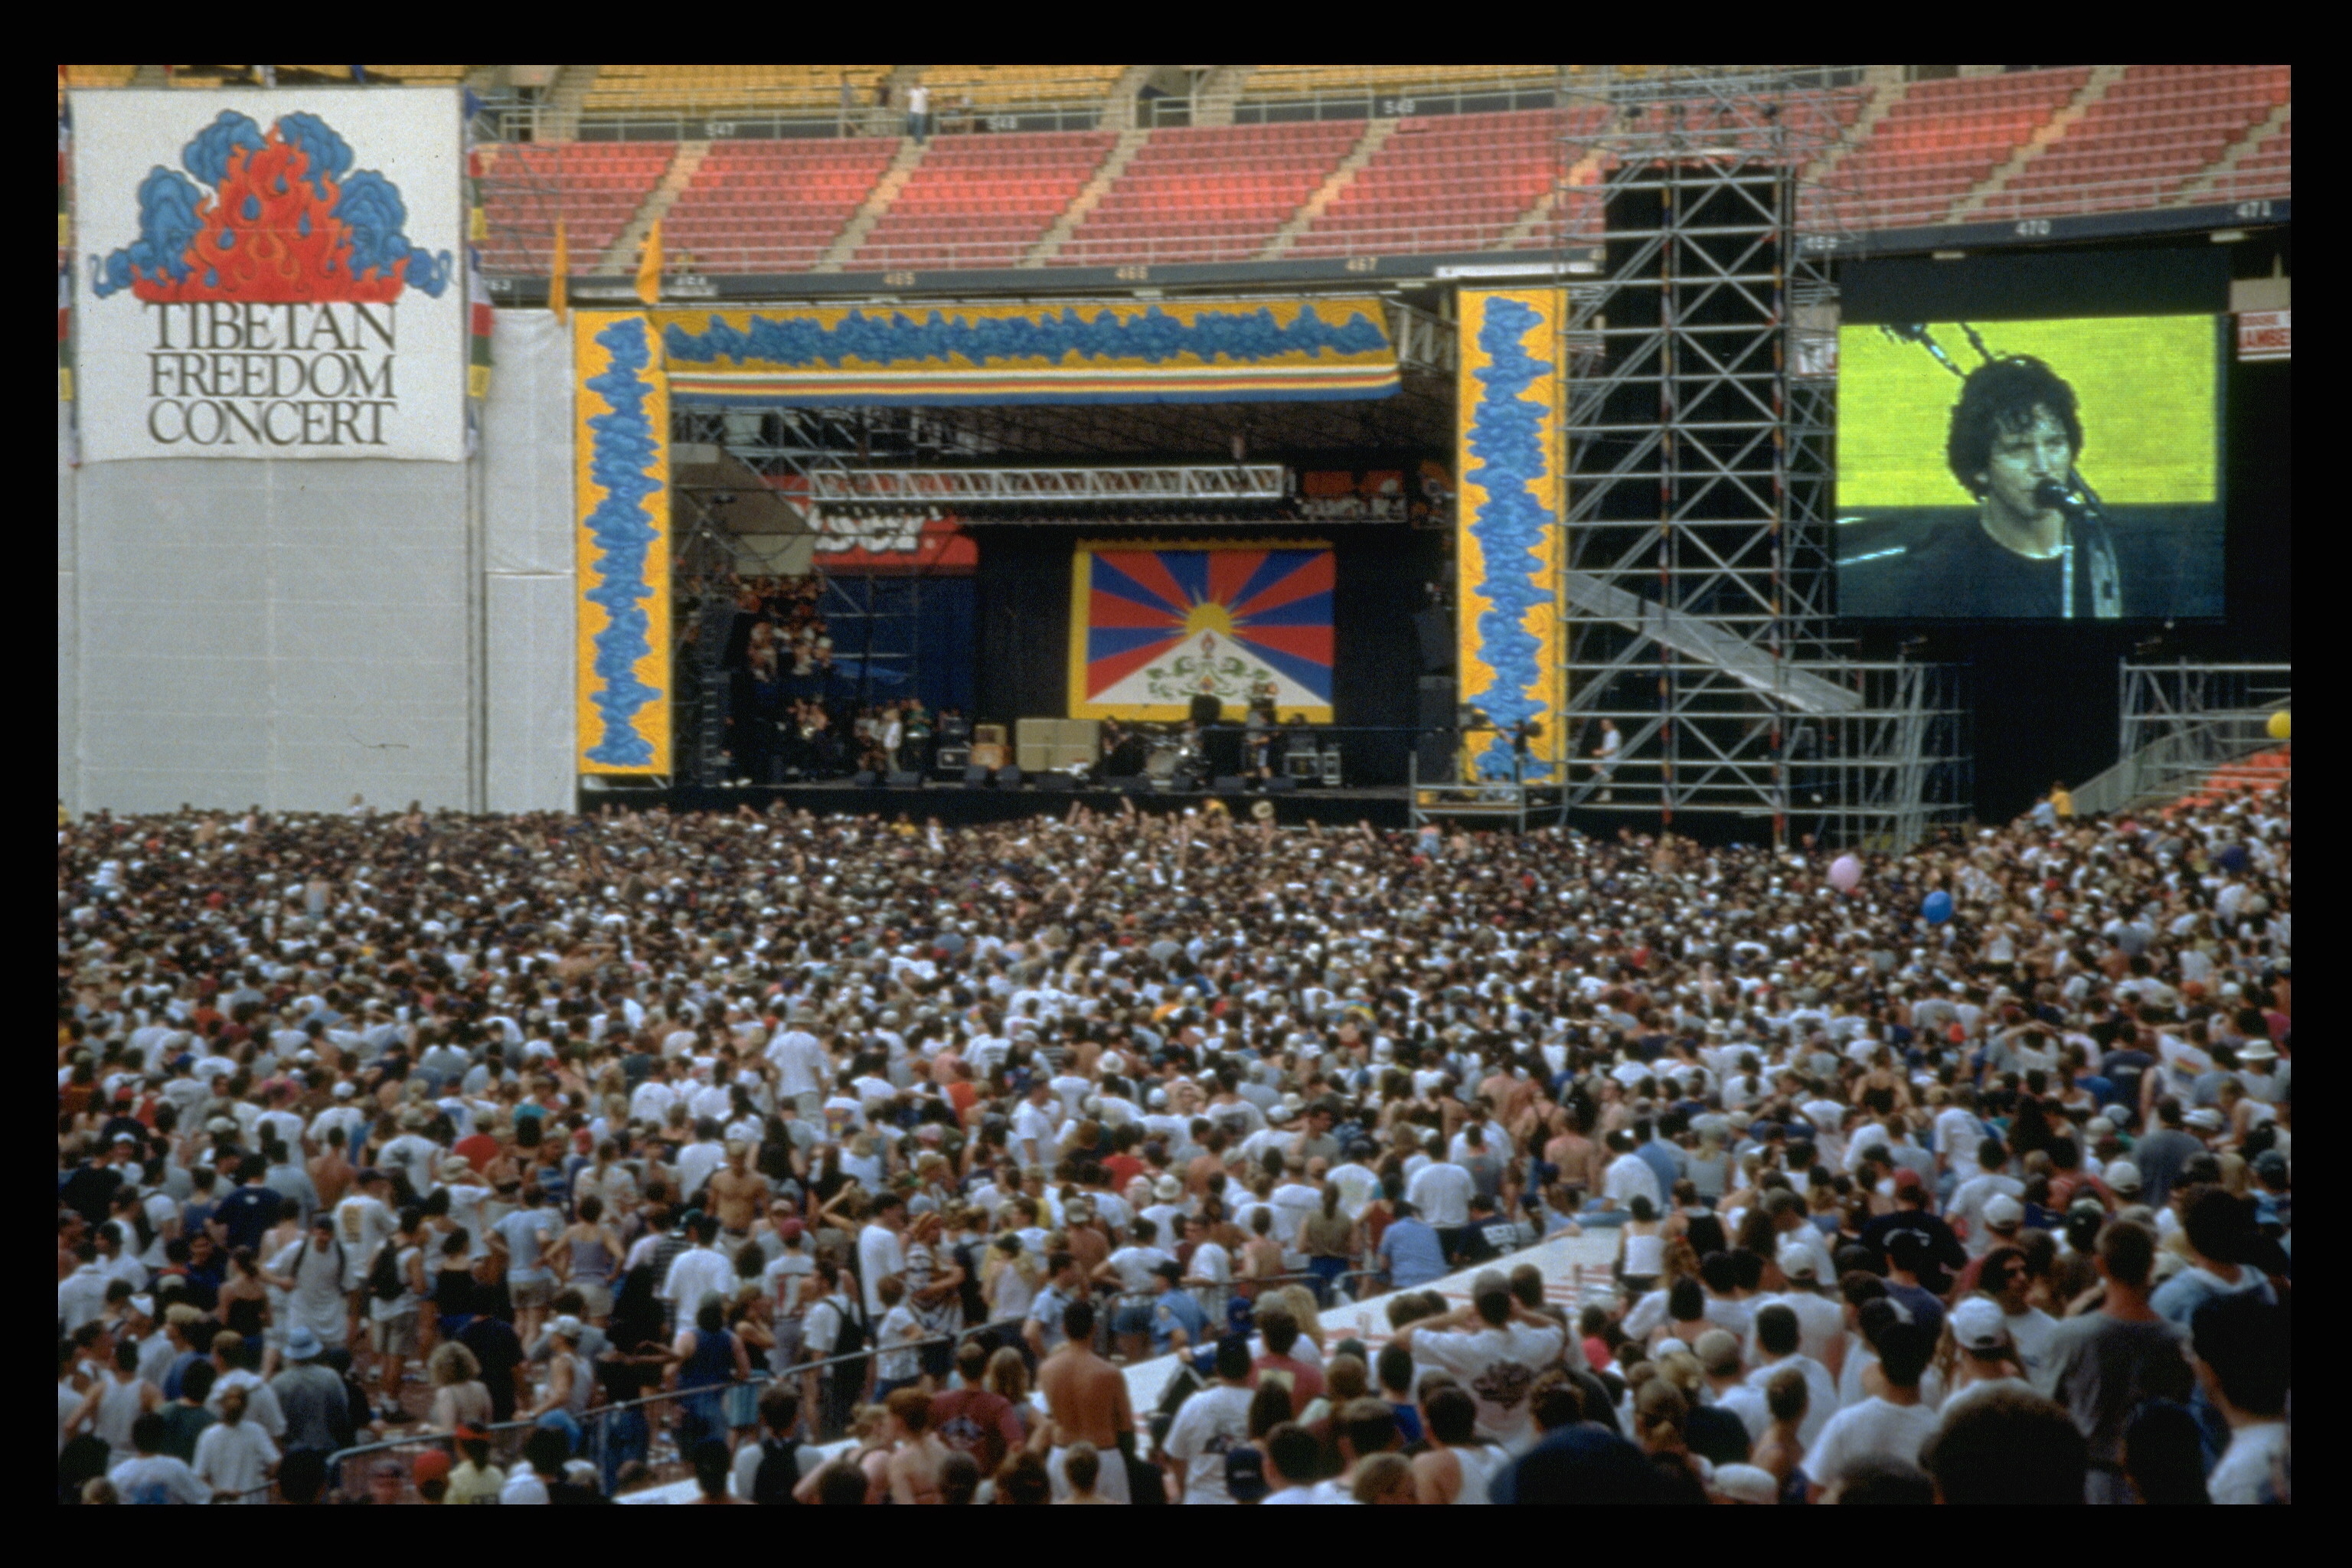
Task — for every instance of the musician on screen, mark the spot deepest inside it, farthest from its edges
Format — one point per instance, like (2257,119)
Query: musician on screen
(2034,543)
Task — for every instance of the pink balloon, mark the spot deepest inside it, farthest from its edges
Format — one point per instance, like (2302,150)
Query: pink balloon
(1845,873)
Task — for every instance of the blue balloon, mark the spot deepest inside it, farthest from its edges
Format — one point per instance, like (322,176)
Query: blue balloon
(1937,907)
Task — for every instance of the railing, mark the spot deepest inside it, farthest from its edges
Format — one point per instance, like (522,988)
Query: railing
(693,262)
(1857,210)
(607,1430)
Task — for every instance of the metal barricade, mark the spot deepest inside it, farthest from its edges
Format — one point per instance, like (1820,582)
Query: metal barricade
(613,1436)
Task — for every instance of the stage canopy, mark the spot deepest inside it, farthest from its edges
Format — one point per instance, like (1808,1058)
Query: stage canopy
(1094,351)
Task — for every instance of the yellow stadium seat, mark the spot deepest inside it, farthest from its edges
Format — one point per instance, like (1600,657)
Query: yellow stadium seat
(667,89)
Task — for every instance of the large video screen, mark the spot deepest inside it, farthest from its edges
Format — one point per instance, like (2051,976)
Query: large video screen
(2040,468)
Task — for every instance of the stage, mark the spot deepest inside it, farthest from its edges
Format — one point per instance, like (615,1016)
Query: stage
(955,806)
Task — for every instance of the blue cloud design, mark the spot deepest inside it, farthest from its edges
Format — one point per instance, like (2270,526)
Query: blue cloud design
(329,154)
(372,216)
(167,229)
(622,445)
(207,155)
(1506,441)
(369,206)
(1239,335)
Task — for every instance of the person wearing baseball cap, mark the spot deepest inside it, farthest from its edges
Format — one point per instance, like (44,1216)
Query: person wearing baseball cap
(430,1474)
(1745,1484)
(473,1478)
(1987,1359)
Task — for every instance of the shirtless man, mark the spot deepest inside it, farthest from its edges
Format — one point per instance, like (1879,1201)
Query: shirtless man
(1086,1397)
(914,1468)
(330,1173)
(738,1193)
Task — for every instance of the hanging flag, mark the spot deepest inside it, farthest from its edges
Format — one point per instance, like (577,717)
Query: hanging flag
(649,266)
(65,334)
(478,296)
(478,218)
(559,273)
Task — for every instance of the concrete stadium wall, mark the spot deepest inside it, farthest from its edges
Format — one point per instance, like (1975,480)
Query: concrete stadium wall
(291,634)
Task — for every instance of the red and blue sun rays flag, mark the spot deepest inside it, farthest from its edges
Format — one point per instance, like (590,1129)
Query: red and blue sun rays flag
(1154,627)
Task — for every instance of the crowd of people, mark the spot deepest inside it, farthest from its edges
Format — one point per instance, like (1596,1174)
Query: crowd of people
(535,1159)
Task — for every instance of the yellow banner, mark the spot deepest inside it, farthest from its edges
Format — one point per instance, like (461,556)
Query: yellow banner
(622,490)
(1511,452)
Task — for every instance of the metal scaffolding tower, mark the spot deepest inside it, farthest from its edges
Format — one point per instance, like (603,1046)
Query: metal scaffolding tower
(1698,590)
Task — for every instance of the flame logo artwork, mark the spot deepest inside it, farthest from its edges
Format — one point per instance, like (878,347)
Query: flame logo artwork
(286,218)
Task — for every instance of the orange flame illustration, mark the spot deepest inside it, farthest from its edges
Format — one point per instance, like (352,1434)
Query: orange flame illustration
(267,235)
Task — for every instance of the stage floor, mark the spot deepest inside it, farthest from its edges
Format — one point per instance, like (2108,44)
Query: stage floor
(956,806)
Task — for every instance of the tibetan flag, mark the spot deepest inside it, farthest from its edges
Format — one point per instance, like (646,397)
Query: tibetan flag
(65,334)
(558,274)
(1162,624)
(649,266)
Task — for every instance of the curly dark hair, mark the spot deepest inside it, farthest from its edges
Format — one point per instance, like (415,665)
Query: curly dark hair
(1999,396)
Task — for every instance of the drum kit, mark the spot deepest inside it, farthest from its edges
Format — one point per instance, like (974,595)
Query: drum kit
(1171,755)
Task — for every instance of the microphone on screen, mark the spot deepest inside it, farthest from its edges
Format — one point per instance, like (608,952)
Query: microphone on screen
(2051,493)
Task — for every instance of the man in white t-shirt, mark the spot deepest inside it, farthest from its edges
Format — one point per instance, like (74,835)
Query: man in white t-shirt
(1209,1425)
(1966,1212)
(2242,1357)
(1495,1347)
(880,1252)
(701,1270)
(803,1070)
(1441,1192)
(1775,1333)
(153,1475)
(1893,1425)
(1033,1123)
(1629,1176)
(364,1222)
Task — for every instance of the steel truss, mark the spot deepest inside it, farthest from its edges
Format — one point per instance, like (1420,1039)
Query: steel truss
(1698,587)
(2176,722)
(1090,485)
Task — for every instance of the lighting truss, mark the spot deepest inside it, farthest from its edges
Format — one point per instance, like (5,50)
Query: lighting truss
(1089,485)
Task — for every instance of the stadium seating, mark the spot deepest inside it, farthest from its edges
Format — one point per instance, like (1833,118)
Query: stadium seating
(2154,130)
(407,76)
(2268,170)
(1942,141)
(1217,193)
(1330,81)
(773,206)
(657,92)
(1451,182)
(593,187)
(982,201)
(2159,135)
(1006,87)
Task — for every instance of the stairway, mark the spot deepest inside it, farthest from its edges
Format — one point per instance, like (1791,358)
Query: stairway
(1885,94)
(1376,135)
(878,201)
(621,256)
(2102,78)
(1585,170)
(1117,110)
(1122,153)
(559,116)
(1219,90)
(2195,192)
